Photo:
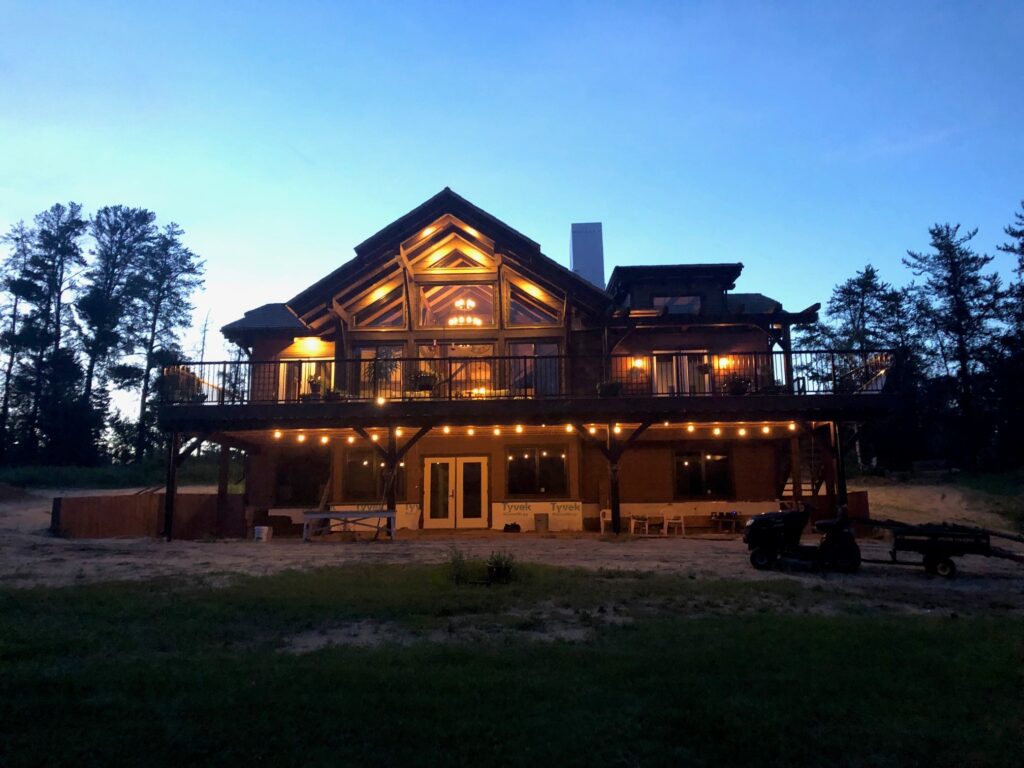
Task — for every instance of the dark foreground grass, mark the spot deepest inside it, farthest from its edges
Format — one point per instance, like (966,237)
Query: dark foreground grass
(175,674)
(197,471)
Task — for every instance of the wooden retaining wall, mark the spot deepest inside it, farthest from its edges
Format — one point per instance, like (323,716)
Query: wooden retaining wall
(104,517)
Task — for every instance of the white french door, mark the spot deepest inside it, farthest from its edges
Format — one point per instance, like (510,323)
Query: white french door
(455,492)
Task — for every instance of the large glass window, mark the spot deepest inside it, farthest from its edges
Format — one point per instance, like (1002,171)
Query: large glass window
(537,471)
(383,308)
(467,369)
(380,371)
(363,476)
(457,307)
(304,379)
(531,305)
(702,475)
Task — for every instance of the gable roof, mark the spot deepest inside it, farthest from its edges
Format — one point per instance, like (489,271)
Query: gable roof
(622,277)
(387,241)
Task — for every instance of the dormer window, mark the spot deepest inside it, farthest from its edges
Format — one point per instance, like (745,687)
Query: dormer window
(678,305)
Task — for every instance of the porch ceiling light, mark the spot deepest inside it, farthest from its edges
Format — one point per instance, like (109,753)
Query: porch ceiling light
(638,362)
(310,345)
(374,437)
(724,362)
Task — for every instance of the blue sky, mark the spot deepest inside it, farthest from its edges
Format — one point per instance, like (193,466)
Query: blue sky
(804,140)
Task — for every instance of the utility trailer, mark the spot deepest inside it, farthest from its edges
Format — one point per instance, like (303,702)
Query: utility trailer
(939,543)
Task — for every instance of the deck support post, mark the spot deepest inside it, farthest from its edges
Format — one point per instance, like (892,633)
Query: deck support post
(391,472)
(612,452)
(171,489)
(223,463)
(837,452)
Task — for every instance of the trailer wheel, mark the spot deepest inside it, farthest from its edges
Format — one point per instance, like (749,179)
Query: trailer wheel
(945,568)
(763,558)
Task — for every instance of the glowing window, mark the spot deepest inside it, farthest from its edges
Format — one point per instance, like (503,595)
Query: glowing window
(457,307)
(531,305)
(383,308)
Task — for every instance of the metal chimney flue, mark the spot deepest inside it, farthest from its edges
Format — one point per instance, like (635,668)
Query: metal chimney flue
(586,252)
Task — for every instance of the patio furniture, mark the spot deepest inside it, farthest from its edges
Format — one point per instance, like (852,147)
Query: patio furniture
(723,519)
(315,522)
(640,523)
(673,520)
(606,518)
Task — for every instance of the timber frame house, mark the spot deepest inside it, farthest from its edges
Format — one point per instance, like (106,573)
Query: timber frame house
(455,374)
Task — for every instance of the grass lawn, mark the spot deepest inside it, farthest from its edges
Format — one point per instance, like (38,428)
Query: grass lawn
(690,672)
(196,471)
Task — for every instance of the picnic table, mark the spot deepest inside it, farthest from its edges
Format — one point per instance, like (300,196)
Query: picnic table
(359,516)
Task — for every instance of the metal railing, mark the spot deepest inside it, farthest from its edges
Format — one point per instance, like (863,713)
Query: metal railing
(668,374)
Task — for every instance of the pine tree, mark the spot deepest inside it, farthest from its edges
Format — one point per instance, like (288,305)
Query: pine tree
(20,238)
(961,304)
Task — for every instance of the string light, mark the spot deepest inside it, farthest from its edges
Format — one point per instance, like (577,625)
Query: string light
(398,432)
(792,426)
(592,430)
(519,429)
(446,429)
(374,437)
(666,423)
(743,431)
(325,440)
(350,439)
(380,400)
(616,429)
(568,427)
(470,431)
(689,427)
(277,434)
(765,430)
(301,438)
(717,431)
(497,431)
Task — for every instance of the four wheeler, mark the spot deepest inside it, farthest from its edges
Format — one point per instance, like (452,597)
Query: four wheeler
(775,536)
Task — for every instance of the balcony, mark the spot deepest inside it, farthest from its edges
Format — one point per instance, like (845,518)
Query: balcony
(660,376)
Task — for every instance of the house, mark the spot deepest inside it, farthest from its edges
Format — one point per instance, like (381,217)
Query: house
(453,372)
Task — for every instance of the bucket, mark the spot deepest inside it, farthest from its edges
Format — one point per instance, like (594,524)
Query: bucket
(262,533)
(540,522)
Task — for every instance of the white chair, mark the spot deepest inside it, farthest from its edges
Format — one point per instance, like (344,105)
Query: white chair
(673,519)
(606,518)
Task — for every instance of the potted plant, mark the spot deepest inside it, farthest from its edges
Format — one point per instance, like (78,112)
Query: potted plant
(314,384)
(737,385)
(379,372)
(423,381)
(609,388)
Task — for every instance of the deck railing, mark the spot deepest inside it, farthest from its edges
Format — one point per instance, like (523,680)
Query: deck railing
(669,374)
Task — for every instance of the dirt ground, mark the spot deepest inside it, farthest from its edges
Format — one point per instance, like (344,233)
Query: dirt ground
(29,556)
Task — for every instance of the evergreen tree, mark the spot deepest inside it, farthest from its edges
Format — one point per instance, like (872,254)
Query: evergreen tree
(20,238)
(168,277)
(122,236)
(961,304)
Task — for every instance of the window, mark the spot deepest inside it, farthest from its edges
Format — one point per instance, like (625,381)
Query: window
(456,307)
(530,305)
(304,379)
(363,476)
(537,471)
(380,371)
(384,307)
(679,305)
(702,475)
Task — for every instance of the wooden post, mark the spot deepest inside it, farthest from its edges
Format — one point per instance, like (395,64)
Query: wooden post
(840,466)
(172,483)
(613,496)
(787,358)
(223,462)
(390,472)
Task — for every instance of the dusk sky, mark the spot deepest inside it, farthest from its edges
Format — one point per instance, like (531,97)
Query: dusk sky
(804,140)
